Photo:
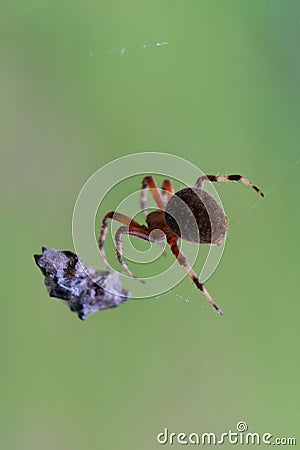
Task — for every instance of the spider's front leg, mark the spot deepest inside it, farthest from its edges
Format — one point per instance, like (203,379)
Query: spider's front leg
(125,220)
(132,232)
(172,241)
(158,195)
(150,183)
(167,189)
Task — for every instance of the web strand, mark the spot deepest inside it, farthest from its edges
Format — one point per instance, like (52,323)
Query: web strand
(268,191)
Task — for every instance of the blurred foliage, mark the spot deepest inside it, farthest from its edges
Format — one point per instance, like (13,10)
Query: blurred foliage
(80,89)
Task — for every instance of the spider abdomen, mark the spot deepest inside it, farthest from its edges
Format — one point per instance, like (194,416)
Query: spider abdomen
(193,215)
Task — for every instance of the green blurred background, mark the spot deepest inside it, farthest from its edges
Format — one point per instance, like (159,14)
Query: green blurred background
(224,94)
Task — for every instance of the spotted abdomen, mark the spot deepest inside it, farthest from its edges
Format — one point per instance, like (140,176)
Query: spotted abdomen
(193,215)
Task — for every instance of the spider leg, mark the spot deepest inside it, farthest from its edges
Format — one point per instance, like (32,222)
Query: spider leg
(167,189)
(218,178)
(133,232)
(149,182)
(183,261)
(119,218)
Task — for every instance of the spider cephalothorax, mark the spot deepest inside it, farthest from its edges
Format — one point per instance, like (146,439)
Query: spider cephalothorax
(190,214)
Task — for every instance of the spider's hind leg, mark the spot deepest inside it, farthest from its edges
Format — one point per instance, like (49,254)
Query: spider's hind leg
(183,261)
(219,178)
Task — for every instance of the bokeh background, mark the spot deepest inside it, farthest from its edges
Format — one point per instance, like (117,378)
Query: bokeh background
(83,83)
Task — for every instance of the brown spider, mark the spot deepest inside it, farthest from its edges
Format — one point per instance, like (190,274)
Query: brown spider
(174,219)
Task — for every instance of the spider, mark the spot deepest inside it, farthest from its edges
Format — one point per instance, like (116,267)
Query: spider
(175,219)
